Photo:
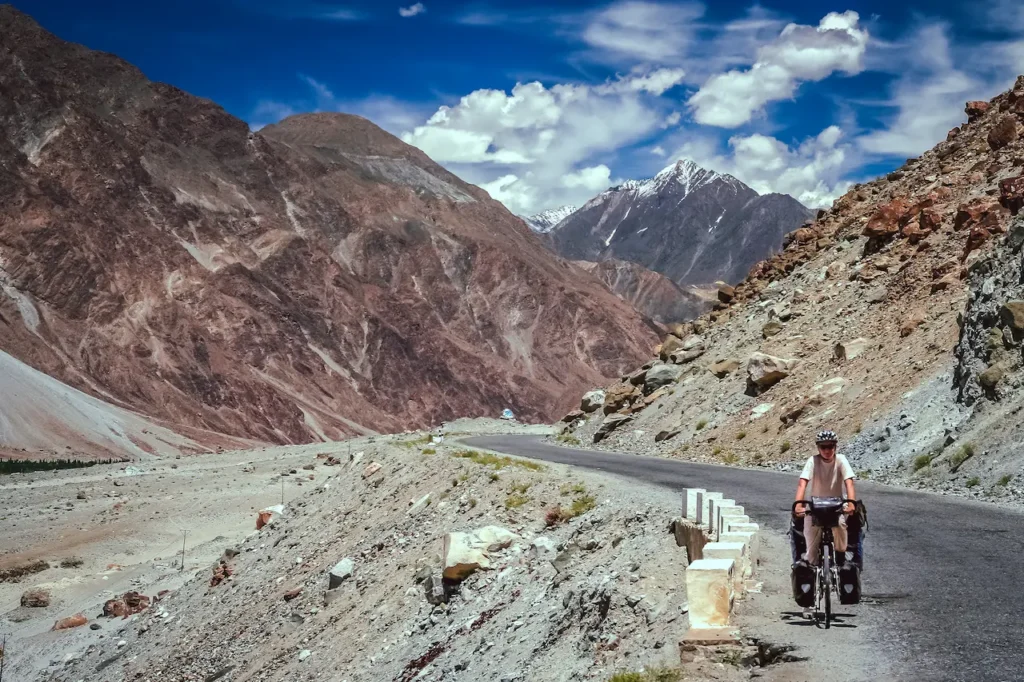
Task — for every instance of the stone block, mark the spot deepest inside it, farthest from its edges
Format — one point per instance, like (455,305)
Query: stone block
(722,511)
(704,506)
(749,539)
(710,591)
(715,505)
(736,551)
(691,503)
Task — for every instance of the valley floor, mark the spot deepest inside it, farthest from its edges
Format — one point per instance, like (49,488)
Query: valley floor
(601,591)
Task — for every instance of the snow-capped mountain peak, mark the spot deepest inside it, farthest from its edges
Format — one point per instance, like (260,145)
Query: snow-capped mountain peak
(545,221)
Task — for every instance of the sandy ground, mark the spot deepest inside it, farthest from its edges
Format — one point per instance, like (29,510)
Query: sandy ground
(129,532)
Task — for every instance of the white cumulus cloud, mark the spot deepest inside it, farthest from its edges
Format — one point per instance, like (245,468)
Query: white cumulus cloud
(533,148)
(800,53)
(811,172)
(412,10)
(647,31)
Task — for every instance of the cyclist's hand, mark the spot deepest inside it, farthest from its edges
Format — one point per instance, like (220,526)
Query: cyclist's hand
(848,508)
(800,510)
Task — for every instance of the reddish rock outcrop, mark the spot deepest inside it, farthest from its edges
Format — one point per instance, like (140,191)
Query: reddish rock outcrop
(1004,132)
(75,621)
(976,109)
(314,279)
(128,604)
(1011,194)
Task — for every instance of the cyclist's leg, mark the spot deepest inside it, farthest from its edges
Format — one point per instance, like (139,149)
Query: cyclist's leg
(840,537)
(812,534)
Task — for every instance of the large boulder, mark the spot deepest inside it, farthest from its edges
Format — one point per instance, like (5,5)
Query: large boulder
(75,621)
(764,371)
(982,211)
(1011,193)
(620,396)
(724,368)
(670,345)
(1012,315)
(35,598)
(848,350)
(692,342)
(661,375)
(976,109)
(610,423)
(341,572)
(725,292)
(464,553)
(887,220)
(1004,132)
(592,400)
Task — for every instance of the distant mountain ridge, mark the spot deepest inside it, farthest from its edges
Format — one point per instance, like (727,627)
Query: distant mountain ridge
(691,224)
(543,222)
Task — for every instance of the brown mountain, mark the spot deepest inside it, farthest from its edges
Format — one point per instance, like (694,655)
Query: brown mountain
(316,278)
(653,294)
(693,225)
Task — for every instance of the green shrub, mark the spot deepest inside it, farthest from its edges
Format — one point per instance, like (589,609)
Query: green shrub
(1005,480)
(786,445)
(494,477)
(515,501)
(921,461)
(559,514)
(973,481)
(572,488)
(429,451)
(21,466)
(716,451)
(741,435)
(730,458)
(472,502)
(520,487)
(649,675)
(965,452)
(701,424)
(568,438)
(497,461)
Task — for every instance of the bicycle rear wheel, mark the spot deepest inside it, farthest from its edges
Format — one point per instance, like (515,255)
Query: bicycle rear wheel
(826,570)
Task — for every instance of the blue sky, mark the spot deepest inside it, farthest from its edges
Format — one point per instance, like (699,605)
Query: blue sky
(547,104)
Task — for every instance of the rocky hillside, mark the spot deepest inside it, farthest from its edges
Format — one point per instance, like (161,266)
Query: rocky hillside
(653,294)
(315,279)
(408,559)
(894,318)
(693,225)
(545,221)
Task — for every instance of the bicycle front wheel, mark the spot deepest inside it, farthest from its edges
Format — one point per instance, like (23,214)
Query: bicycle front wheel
(826,569)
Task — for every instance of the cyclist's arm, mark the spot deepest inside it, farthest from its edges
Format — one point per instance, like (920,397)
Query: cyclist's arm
(851,493)
(801,488)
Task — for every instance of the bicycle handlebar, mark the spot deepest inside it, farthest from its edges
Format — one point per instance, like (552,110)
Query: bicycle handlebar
(810,503)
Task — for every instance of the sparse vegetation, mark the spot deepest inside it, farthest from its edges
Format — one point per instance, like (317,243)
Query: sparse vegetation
(568,438)
(965,452)
(21,466)
(1005,480)
(497,461)
(416,442)
(572,488)
(472,502)
(71,562)
(730,458)
(857,428)
(717,450)
(649,675)
(921,461)
(429,451)
(559,514)
(786,445)
(494,477)
(520,487)
(701,424)
(515,501)
(741,435)
(13,575)
(973,481)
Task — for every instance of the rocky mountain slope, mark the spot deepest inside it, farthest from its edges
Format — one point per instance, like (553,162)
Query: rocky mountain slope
(653,294)
(315,279)
(544,221)
(693,225)
(402,559)
(895,319)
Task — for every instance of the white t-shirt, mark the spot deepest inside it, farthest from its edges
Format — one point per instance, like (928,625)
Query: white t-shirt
(826,478)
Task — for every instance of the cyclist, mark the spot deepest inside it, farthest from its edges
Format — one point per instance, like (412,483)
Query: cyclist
(826,474)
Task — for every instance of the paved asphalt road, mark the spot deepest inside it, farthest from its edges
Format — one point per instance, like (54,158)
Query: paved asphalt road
(946,575)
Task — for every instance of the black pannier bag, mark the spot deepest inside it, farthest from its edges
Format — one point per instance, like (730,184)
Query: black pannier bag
(803,583)
(849,584)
